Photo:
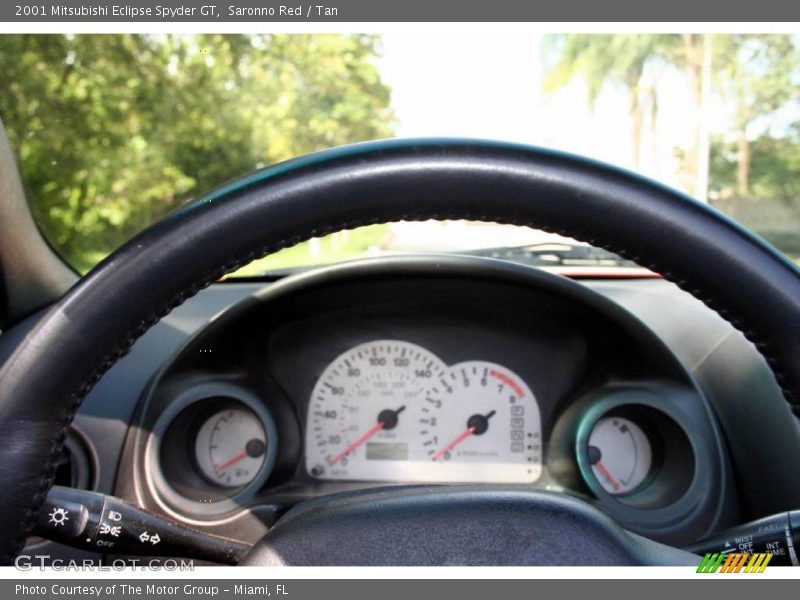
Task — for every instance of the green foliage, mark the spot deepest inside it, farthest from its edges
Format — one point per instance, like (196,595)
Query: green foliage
(755,72)
(755,75)
(774,168)
(772,207)
(337,247)
(112,132)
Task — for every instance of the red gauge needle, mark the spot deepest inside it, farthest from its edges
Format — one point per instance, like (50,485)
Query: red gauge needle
(232,460)
(461,437)
(614,483)
(387,419)
(476,425)
(372,431)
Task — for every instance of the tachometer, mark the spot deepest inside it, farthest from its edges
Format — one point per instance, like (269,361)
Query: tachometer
(492,430)
(368,417)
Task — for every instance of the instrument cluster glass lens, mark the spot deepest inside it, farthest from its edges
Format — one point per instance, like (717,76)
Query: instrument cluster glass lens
(393,411)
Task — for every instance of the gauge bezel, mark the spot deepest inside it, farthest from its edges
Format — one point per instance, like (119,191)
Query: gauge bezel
(674,472)
(192,407)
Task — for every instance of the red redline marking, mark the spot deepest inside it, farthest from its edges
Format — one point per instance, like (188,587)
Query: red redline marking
(372,431)
(508,381)
(232,460)
(464,435)
(614,483)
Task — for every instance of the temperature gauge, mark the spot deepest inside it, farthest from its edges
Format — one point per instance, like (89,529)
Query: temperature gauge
(231,447)
(620,455)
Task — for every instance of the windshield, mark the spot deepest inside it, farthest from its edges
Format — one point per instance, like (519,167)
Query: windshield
(111,132)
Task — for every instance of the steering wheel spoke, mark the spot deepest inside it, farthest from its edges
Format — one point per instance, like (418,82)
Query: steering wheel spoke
(463,525)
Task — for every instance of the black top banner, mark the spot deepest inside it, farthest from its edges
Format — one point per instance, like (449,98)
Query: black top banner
(323,11)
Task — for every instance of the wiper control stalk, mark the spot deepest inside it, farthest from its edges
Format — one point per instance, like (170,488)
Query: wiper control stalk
(778,535)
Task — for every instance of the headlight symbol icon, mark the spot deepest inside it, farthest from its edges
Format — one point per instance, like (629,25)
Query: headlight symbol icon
(59,516)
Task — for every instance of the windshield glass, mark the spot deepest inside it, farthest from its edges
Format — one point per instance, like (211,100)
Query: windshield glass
(111,132)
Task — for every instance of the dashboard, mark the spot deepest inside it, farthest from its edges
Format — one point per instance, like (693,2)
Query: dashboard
(440,370)
(427,371)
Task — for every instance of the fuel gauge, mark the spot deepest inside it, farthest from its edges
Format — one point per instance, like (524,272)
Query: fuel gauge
(633,452)
(620,455)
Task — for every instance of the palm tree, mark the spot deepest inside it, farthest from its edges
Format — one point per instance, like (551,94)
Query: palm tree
(693,54)
(618,60)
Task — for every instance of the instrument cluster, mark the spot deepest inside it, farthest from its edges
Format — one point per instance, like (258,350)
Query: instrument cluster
(424,372)
(390,410)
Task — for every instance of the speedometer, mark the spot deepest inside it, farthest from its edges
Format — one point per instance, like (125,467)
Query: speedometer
(369,417)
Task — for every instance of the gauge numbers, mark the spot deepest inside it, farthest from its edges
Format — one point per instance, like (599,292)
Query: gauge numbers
(364,410)
(393,411)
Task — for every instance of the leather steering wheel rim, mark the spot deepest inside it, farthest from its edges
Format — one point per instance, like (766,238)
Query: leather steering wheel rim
(42,384)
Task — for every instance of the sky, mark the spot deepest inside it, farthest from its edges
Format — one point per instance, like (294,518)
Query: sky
(490,86)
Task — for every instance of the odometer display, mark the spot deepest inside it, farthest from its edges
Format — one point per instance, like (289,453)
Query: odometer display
(383,451)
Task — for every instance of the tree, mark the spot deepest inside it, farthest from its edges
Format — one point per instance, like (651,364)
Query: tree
(692,53)
(756,73)
(111,132)
(772,208)
(753,72)
(774,167)
(618,60)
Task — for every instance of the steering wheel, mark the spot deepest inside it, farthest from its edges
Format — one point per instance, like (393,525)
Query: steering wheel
(82,336)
